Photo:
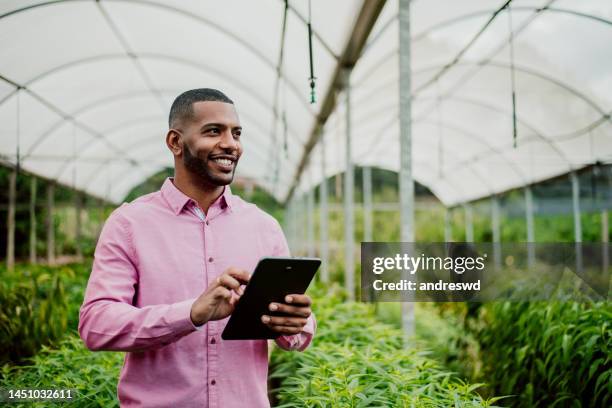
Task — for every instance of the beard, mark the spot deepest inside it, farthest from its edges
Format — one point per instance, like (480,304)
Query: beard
(200,168)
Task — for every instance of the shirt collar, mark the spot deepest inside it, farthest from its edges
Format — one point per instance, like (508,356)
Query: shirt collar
(177,200)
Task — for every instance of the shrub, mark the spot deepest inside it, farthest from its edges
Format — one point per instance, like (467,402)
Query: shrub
(93,375)
(39,305)
(550,354)
(356,361)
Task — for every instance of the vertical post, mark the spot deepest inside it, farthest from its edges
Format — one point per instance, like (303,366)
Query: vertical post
(530,226)
(469,223)
(287,225)
(448,231)
(10,222)
(495,226)
(349,218)
(323,230)
(310,204)
(290,225)
(406,182)
(78,205)
(605,239)
(33,239)
(577,220)
(102,218)
(50,224)
(367,204)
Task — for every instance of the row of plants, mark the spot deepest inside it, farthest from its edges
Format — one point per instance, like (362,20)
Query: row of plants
(68,365)
(357,361)
(544,353)
(39,305)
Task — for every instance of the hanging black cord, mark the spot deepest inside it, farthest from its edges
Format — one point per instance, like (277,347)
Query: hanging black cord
(312,77)
(512,76)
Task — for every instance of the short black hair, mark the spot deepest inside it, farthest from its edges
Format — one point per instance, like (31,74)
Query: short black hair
(182,107)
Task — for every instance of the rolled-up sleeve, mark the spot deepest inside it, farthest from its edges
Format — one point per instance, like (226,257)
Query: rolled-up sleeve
(303,339)
(108,320)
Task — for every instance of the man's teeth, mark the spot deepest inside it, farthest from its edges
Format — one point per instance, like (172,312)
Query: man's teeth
(224,162)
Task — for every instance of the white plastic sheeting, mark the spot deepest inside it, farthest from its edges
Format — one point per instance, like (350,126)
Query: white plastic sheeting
(96,80)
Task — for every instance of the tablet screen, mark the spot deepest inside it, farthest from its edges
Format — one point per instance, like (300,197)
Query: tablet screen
(273,279)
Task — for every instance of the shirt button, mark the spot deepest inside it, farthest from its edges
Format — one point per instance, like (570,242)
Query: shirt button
(207,223)
(210,259)
(213,341)
(213,382)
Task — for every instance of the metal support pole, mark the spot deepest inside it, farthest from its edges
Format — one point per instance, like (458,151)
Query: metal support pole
(33,237)
(102,217)
(605,239)
(290,226)
(406,181)
(304,224)
(10,222)
(496,227)
(349,217)
(78,205)
(577,220)
(448,231)
(310,208)
(50,224)
(367,204)
(323,225)
(469,223)
(295,220)
(530,226)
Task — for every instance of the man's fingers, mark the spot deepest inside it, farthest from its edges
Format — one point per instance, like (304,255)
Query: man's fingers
(301,311)
(297,299)
(239,274)
(286,329)
(222,292)
(228,282)
(283,321)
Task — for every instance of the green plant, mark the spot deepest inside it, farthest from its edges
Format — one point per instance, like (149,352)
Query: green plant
(93,375)
(356,361)
(39,305)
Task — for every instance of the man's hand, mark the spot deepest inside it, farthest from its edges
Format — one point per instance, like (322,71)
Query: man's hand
(219,299)
(297,307)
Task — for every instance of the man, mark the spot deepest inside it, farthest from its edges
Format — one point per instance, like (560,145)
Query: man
(170,266)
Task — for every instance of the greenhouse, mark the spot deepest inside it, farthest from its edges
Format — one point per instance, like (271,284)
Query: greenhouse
(370,128)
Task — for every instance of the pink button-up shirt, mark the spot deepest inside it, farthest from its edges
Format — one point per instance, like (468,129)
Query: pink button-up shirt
(155,256)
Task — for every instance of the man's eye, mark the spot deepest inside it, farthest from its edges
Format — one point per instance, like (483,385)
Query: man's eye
(237,134)
(214,131)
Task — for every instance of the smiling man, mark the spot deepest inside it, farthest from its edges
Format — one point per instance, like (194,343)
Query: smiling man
(170,266)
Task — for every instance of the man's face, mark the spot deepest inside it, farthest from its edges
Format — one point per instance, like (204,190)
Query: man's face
(211,142)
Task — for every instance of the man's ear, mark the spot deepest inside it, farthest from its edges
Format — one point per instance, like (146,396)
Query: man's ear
(174,142)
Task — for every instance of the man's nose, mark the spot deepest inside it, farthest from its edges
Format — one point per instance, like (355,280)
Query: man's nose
(228,141)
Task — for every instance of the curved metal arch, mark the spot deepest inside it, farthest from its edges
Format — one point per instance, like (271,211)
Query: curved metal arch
(477,174)
(156,168)
(270,64)
(528,71)
(67,163)
(536,133)
(475,14)
(93,175)
(556,137)
(425,164)
(315,33)
(454,20)
(548,140)
(79,111)
(155,56)
(467,161)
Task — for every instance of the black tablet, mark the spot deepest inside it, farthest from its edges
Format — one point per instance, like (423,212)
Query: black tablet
(273,279)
